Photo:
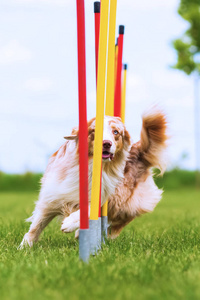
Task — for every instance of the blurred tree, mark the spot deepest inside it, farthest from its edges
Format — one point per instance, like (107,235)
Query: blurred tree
(188,60)
(188,46)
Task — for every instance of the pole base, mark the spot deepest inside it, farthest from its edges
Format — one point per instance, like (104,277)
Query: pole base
(84,244)
(93,236)
(99,234)
(104,228)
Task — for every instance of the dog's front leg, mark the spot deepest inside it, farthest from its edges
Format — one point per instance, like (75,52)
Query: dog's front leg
(40,220)
(72,222)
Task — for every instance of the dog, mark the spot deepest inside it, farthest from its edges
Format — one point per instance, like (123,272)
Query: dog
(137,193)
(59,194)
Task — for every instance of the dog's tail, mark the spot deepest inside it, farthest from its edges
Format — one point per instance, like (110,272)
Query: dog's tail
(153,139)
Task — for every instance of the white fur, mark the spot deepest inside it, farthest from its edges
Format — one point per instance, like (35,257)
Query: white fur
(72,222)
(146,196)
(107,134)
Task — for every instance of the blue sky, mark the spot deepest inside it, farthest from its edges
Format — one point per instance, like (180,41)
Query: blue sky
(38,76)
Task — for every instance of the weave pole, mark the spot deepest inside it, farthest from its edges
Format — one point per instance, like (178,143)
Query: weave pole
(97,156)
(118,88)
(97,6)
(84,247)
(116,59)
(123,108)
(110,89)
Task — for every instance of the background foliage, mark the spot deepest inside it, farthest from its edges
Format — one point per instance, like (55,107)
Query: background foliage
(31,182)
(188,45)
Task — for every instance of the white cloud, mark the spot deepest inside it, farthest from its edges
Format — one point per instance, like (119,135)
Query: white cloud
(185,102)
(14,52)
(137,89)
(38,84)
(135,81)
(147,4)
(54,2)
(169,79)
(142,4)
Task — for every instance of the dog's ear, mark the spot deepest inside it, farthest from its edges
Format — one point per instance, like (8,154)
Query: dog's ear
(127,138)
(90,122)
(73,136)
(118,118)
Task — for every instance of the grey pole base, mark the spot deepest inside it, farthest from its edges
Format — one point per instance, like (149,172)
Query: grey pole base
(84,244)
(99,233)
(93,236)
(104,228)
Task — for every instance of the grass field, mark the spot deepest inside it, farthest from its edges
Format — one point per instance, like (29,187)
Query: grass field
(156,257)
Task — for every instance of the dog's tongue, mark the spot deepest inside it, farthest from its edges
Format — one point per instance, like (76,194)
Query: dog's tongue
(106,155)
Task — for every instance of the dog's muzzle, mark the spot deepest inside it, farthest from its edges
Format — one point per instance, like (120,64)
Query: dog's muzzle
(106,154)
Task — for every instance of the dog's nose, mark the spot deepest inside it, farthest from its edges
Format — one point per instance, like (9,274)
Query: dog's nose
(107,144)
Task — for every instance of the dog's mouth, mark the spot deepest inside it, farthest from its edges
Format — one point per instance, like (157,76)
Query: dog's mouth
(107,155)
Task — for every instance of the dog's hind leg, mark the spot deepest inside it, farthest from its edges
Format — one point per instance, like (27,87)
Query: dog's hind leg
(40,220)
(115,230)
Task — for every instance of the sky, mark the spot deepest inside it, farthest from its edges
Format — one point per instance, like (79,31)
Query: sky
(38,77)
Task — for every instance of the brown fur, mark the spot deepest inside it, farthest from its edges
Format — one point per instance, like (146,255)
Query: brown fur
(143,155)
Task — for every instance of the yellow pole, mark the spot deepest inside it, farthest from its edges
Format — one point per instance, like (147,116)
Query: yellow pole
(104,210)
(116,59)
(101,84)
(124,94)
(110,87)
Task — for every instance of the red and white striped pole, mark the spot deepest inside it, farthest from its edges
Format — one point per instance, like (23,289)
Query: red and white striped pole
(84,246)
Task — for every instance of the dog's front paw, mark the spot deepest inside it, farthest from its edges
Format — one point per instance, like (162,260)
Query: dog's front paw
(77,234)
(70,224)
(26,242)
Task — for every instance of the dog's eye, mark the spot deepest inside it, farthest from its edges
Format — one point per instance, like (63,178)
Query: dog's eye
(115,132)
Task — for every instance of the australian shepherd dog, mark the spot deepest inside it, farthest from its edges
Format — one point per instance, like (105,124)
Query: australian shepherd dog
(127,177)
(59,194)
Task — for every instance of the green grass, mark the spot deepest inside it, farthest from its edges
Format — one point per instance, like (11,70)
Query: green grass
(156,257)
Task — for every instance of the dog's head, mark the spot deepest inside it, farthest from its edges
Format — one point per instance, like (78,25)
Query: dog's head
(116,138)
